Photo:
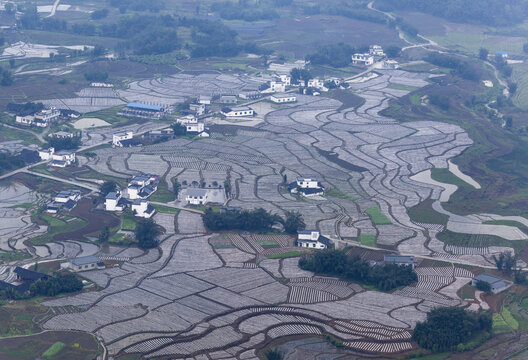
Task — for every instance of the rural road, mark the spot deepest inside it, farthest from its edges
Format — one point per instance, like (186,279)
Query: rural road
(54,8)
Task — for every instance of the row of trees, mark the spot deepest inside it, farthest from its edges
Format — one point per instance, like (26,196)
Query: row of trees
(64,143)
(337,263)
(448,328)
(58,284)
(459,66)
(9,162)
(258,220)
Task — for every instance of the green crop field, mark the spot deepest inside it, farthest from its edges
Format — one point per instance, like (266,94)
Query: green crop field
(368,239)
(424,213)
(377,217)
(285,255)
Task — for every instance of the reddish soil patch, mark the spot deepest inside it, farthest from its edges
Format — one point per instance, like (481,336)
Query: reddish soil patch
(96,221)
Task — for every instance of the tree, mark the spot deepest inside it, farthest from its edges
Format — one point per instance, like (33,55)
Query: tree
(483,54)
(274,354)
(176,187)
(179,129)
(108,187)
(393,51)
(505,262)
(300,75)
(512,87)
(227,187)
(146,233)
(483,286)
(7,78)
(104,235)
(294,222)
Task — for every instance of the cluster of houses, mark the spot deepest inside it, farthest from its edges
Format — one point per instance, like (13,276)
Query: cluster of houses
(22,280)
(139,189)
(194,126)
(367,59)
(65,200)
(59,159)
(306,186)
(43,118)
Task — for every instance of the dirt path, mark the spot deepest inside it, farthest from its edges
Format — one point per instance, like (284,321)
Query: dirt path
(54,8)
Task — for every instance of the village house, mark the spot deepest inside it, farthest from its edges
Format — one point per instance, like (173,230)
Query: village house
(496,284)
(306,186)
(503,54)
(362,59)
(115,202)
(196,197)
(142,208)
(142,186)
(65,200)
(199,109)
(317,84)
(313,239)
(390,64)
(63,158)
(376,50)
(143,111)
(204,100)
(83,263)
(283,98)
(62,135)
(197,129)
(46,116)
(399,260)
(237,111)
(285,79)
(228,99)
(156,134)
(46,154)
(122,139)
(25,120)
(250,95)
(22,280)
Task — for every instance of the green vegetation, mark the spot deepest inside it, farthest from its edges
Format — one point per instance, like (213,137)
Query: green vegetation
(146,233)
(14,134)
(17,318)
(53,350)
(368,239)
(384,277)
(166,209)
(258,220)
(293,222)
(402,87)
(447,177)
(14,255)
(506,223)
(289,254)
(10,162)
(424,213)
(163,194)
(270,243)
(58,284)
(122,239)
(56,226)
(470,240)
(338,194)
(446,328)
(377,217)
(467,292)
(128,222)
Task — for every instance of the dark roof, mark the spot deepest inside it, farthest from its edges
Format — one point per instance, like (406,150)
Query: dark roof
(140,106)
(69,205)
(26,274)
(112,195)
(22,288)
(325,240)
(128,142)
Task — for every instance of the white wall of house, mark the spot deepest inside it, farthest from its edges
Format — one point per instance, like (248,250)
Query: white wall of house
(308,183)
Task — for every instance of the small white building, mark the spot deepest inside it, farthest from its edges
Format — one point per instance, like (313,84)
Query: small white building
(142,186)
(204,99)
(63,158)
(317,84)
(390,64)
(25,120)
(376,50)
(115,202)
(83,263)
(307,183)
(196,197)
(283,98)
(119,139)
(285,79)
(277,86)
(313,239)
(197,127)
(142,208)
(67,195)
(238,111)
(46,116)
(228,99)
(46,154)
(362,59)
(306,186)
(187,119)
(199,109)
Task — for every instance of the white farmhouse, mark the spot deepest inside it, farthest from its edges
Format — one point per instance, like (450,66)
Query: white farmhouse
(63,158)
(67,195)
(46,154)
(44,117)
(142,186)
(199,109)
(283,98)
(307,182)
(313,239)
(362,59)
(376,50)
(306,186)
(196,197)
(83,263)
(238,111)
(204,100)
(119,139)
(25,120)
(142,208)
(115,202)
(317,84)
(285,79)
(277,86)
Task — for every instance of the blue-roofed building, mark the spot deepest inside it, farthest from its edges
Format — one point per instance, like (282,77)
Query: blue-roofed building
(497,284)
(144,111)
(502,53)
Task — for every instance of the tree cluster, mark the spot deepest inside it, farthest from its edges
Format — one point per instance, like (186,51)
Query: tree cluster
(459,67)
(28,108)
(298,75)
(108,187)
(441,101)
(146,233)
(258,220)
(96,76)
(502,65)
(446,328)
(9,162)
(337,55)
(58,284)
(64,143)
(337,263)
(6,78)
(486,12)
(243,11)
